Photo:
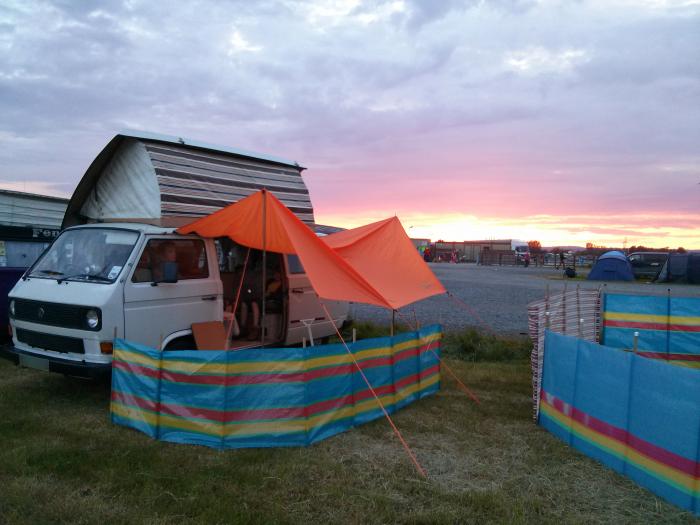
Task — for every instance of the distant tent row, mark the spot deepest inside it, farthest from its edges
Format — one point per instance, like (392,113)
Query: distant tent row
(678,268)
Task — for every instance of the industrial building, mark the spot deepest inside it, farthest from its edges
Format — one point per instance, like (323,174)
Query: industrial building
(470,251)
(28,224)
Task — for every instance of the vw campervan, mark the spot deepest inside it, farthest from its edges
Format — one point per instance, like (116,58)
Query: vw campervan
(118,269)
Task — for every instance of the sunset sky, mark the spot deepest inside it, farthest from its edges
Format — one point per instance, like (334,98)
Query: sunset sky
(561,121)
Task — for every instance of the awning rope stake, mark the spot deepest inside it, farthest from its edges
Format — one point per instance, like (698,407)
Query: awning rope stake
(473,312)
(410,453)
(464,388)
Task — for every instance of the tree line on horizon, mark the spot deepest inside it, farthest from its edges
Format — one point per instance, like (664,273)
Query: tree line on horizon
(596,249)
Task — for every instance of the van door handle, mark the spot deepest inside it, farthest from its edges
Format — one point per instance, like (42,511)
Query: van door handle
(297,290)
(212,298)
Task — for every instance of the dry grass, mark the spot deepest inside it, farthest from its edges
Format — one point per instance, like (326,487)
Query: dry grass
(62,461)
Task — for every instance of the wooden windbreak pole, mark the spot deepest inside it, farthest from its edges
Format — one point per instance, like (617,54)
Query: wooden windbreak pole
(578,311)
(264,265)
(668,323)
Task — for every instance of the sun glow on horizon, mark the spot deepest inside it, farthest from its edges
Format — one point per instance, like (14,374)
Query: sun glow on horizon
(576,230)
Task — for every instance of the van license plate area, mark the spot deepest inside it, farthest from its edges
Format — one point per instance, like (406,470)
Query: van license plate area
(34,362)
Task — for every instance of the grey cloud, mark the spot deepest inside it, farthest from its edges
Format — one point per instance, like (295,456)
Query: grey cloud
(371,98)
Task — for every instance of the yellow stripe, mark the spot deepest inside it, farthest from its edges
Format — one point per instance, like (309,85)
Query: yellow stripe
(649,318)
(299,365)
(264,427)
(689,483)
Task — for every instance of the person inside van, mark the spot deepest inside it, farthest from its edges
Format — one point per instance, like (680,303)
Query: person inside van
(167,253)
(251,296)
(274,293)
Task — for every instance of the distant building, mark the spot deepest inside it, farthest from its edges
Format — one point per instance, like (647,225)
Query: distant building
(28,224)
(470,251)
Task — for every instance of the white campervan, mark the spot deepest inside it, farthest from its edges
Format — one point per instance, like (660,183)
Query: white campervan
(520,248)
(108,277)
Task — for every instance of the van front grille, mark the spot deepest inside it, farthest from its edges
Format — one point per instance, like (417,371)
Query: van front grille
(57,343)
(54,314)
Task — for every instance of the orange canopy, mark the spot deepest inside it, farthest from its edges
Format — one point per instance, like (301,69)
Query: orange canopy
(361,269)
(384,255)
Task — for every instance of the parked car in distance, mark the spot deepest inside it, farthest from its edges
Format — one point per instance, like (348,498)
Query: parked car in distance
(647,265)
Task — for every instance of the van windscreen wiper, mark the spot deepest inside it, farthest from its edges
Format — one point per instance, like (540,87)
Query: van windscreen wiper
(50,272)
(88,276)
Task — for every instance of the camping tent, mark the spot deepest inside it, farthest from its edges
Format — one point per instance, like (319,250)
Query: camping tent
(681,267)
(612,266)
(375,264)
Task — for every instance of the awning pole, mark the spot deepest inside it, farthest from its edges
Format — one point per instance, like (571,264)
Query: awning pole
(264,266)
(235,303)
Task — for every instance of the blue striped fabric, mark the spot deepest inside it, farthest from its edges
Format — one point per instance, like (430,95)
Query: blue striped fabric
(269,397)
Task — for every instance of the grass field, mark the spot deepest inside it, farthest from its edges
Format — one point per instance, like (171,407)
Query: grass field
(61,460)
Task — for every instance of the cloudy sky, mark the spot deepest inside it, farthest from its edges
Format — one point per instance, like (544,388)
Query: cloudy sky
(563,121)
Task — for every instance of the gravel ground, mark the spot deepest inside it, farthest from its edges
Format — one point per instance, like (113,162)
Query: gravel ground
(497,296)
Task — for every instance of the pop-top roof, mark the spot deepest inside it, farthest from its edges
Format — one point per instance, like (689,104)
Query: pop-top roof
(170,181)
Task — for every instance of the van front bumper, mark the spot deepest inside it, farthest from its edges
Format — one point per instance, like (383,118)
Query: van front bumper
(82,369)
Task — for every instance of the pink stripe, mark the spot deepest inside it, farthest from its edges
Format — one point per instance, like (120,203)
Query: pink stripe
(671,357)
(652,326)
(265,413)
(250,379)
(642,446)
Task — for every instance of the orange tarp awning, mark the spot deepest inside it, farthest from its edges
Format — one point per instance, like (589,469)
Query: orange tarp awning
(333,275)
(384,255)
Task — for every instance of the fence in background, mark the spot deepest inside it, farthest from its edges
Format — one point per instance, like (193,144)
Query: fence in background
(269,397)
(660,327)
(639,416)
(572,312)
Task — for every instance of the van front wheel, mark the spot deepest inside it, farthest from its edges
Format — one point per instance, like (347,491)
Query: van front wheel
(182,343)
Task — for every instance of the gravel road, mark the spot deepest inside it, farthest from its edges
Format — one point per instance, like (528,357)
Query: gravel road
(497,296)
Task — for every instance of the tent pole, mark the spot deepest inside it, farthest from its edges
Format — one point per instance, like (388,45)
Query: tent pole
(264,266)
(393,322)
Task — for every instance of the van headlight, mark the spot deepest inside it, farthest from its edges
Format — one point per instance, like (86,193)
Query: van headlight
(12,307)
(92,318)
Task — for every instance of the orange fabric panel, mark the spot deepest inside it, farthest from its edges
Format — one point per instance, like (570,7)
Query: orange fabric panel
(330,276)
(242,221)
(374,264)
(385,256)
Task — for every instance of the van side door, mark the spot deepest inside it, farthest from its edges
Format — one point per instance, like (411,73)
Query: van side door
(305,307)
(154,309)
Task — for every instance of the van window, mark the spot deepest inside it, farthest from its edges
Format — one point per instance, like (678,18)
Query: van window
(189,254)
(294,264)
(95,255)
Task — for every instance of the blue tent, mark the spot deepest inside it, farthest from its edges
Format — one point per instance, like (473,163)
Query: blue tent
(611,266)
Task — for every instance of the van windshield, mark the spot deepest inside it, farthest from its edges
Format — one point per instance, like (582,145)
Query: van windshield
(87,254)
